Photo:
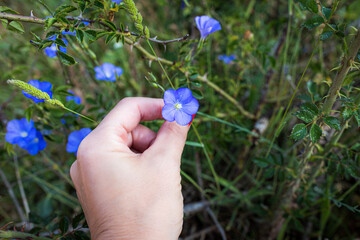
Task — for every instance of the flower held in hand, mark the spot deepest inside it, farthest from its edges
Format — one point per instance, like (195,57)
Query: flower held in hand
(180,105)
(207,25)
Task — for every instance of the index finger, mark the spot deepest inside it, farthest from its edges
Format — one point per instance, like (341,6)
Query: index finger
(129,112)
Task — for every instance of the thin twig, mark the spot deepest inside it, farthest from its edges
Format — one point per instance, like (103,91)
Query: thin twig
(12,195)
(21,187)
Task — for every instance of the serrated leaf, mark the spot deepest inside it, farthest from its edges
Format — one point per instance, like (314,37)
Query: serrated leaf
(315,133)
(332,122)
(311,108)
(313,22)
(64,225)
(305,115)
(298,132)
(99,4)
(63,19)
(52,33)
(326,35)
(66,59)
(79,35)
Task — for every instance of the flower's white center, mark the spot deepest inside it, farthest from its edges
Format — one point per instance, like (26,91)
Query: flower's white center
(36,140)
(178,106)
(24,134)
(107,74)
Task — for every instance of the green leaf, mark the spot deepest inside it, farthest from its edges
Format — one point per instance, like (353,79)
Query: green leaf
(5,9)
(312,87)
(99,4)
(261,162)
(91,34)
(313,22)
(66,59)
(299,132)
(310,107)
(60,42)
(304,115)
(347,113)
(111,25)
(315,133)
(79,35)
(64,225)
(49,22)
(326,12)
(77,219)
(357,117)
(110,37)
(13,26)
(332,122)
(65,9)
(310,5)
(52,33)
(197,94)
(63,20)
(326,35)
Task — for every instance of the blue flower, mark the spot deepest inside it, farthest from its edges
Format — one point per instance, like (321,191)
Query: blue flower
(76,99)
(37,144)
(117,1)
(23,133)
(227,59)
(52,50)
(107,71)
(43,86)
(207,25)
(180,105)
(75,139)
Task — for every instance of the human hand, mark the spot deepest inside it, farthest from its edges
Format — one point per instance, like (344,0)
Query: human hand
(127,177)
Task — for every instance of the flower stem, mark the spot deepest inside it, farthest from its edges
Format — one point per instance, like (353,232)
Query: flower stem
(157,58)
(85,117)
(292,97)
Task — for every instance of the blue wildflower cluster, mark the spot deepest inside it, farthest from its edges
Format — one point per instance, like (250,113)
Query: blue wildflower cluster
(23,133)
(52,50)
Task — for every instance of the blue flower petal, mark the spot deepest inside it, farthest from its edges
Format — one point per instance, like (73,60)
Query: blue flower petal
(170,96)
(207,25)
(191,107)
(168,112)
(75,98)
(75,139)
(106,72)
(99,74)
(182,118)
(184,95)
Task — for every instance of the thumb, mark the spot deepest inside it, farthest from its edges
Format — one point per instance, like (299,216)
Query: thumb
(170,140)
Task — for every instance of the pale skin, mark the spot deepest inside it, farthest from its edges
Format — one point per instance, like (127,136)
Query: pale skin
(127,177)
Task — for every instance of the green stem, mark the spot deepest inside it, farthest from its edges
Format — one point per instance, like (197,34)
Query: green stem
(292,97)
(340,77)
(207,158)
(192,181)
(157,58)
(85,117)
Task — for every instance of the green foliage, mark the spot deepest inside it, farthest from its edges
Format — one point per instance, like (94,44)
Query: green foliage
(258,149)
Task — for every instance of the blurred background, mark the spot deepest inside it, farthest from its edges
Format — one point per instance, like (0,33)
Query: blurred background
(238,172)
